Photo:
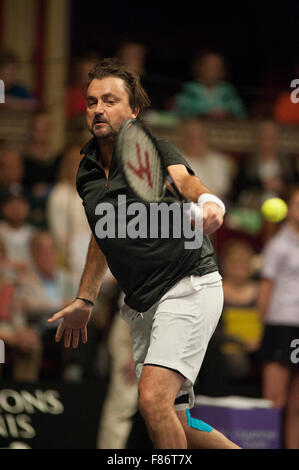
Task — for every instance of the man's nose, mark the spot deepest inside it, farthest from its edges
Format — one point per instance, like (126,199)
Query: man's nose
(99,109)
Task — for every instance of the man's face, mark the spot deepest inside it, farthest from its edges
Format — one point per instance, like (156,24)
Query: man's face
(107,107)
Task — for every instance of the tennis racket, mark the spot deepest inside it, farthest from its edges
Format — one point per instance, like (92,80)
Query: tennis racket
(143,166)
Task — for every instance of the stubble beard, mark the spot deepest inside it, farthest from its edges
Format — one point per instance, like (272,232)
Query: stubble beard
(107,138)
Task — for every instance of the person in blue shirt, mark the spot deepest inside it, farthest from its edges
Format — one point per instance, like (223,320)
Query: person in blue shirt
(17,95)
(209,94)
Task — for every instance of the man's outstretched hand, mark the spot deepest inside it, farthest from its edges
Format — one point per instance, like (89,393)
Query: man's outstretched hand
(74,320)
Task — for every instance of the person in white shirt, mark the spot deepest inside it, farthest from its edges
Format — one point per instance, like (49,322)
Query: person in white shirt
(214,168)
(66,216)
(15,232)
(279,307)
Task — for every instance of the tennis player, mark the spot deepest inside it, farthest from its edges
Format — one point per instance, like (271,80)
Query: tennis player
(173,295)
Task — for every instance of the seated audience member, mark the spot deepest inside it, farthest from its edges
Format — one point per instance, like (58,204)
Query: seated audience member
(278,305)
(215,169)
(209,94)
(134,54)
(15,231)
(285,110)
(240,321)
(41,166)
(66,217)
(17,96)
(46,289)
(266,172)
(12,168)
(75,92)
(22,344)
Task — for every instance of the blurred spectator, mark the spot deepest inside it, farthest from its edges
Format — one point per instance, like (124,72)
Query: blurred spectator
(278,304)
(66,216)
(265,173)
(14,229)
(75,92)
(240,321)
(22,344)
(209,94)
(206,163)
(285,111)
(12,168)
(46,289)
(41,166)
(17,96)
(133,55)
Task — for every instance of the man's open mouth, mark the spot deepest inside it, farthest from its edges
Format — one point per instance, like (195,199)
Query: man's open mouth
(99,121)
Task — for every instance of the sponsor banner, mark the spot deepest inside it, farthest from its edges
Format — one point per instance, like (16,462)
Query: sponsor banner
(50,415)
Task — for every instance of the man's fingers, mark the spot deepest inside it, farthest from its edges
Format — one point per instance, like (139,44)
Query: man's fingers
(67,337)
(210,228)
(76,335)
(59,332)
(211,223)
(55,317)
(84,335)
(71,336)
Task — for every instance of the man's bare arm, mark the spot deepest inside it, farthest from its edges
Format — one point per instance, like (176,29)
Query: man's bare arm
(94,272)
(189,185)
(76,315)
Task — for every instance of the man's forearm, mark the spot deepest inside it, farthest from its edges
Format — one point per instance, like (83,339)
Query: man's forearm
(189,185)
(94,272)
(192,188)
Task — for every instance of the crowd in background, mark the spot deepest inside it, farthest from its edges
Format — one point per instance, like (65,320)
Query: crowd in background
(44,235)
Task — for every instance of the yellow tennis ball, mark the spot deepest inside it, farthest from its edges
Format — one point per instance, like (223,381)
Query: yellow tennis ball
(274,209)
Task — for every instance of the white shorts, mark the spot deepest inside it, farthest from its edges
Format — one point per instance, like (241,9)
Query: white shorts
(175,332)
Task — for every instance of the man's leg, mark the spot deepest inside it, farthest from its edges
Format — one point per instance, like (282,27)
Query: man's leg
(197,439)
(158,388)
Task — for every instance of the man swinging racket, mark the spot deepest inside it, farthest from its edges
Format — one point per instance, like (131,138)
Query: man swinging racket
(173,295)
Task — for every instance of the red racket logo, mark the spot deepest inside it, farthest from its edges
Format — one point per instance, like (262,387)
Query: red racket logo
(142,170)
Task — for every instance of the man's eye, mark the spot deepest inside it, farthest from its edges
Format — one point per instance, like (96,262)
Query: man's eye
(91,103)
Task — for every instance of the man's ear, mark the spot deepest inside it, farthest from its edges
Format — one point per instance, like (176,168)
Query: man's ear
(135,112)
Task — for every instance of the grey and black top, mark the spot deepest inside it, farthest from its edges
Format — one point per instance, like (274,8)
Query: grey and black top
(146,268)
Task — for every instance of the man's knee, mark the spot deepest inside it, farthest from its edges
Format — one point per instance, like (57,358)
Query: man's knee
(149,400)
(153,404)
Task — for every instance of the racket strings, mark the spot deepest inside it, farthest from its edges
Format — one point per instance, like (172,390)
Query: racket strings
(142,164)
